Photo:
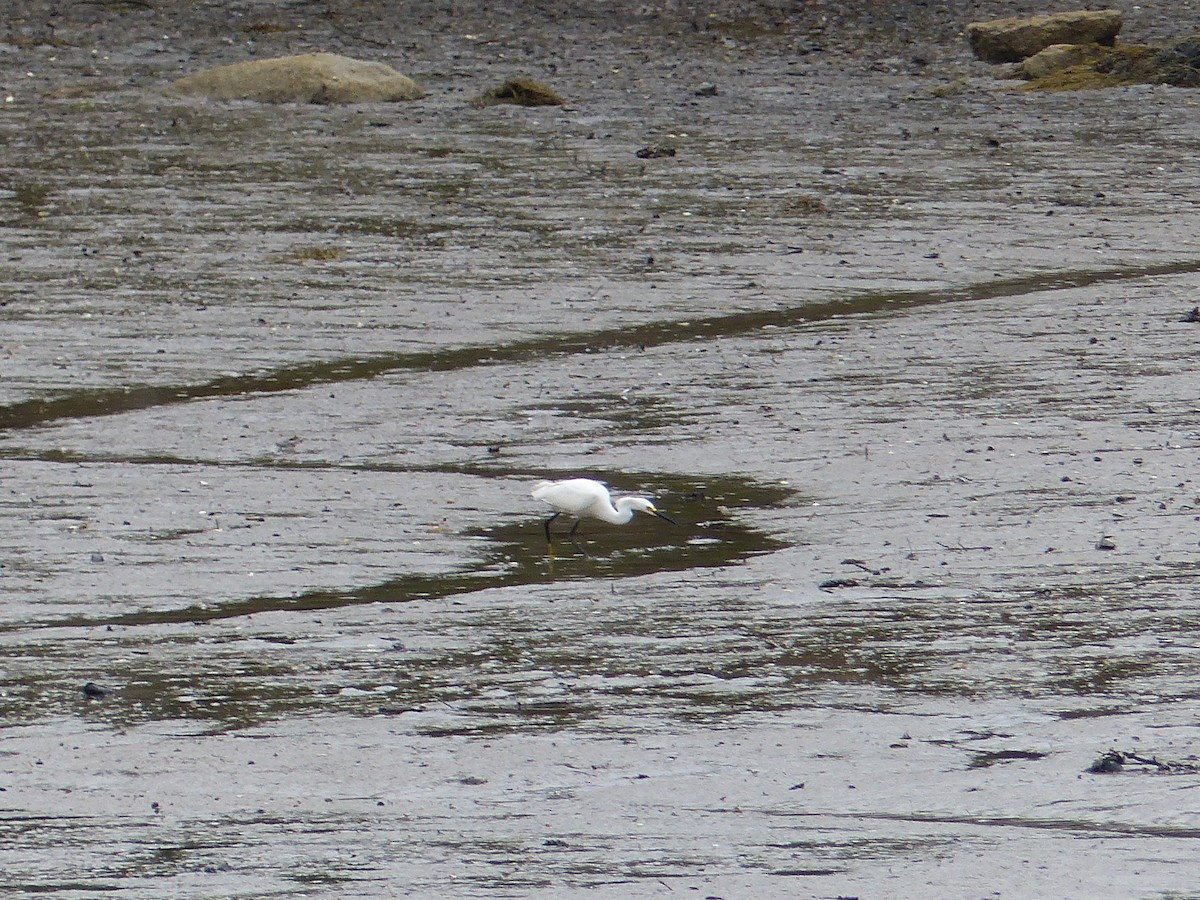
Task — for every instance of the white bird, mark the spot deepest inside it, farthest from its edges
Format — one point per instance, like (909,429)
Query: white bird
(584,498)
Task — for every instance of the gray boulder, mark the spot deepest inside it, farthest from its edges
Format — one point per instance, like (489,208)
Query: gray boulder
(309,78)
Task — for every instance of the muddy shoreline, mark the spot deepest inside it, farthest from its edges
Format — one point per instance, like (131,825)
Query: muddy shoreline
(906,352)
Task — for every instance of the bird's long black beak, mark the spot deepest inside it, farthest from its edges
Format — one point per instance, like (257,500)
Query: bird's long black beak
(665,517)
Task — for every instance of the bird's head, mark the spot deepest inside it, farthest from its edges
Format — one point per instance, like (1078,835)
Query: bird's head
(641,504)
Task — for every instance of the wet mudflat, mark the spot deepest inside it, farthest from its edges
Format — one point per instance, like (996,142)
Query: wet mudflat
(905,353)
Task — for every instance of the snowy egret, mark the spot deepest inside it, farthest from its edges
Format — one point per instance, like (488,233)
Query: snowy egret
(584,498)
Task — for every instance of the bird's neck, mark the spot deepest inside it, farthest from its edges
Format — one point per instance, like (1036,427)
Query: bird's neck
(619,514)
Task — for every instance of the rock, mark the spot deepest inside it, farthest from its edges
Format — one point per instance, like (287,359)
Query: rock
(1057,57)
(308,78)
(708,89)
(522,92)
(1012,40)
(1178,64)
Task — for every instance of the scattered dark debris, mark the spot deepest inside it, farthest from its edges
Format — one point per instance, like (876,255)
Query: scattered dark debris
(655,152)
(968,735)
(962,548)
(1110,762)
(1116,761)
(263,26)
(1193,316)
(399,710)
(554,842)
(986,758)
(807,872)
(804,205)
(834,583)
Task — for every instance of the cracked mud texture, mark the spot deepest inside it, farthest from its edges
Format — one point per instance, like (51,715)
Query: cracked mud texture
(905,350)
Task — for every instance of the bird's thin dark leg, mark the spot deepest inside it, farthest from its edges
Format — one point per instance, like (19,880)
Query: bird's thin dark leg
(571,533)
(547,526)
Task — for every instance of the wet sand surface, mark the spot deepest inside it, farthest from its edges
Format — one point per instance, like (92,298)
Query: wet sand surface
(905,351)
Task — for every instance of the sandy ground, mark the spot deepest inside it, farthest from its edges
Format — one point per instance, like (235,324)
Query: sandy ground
(906,352)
